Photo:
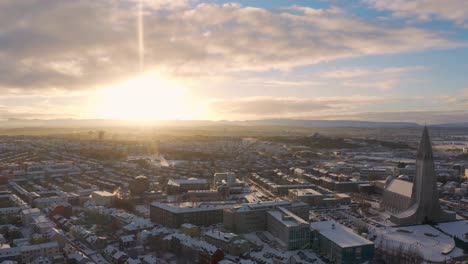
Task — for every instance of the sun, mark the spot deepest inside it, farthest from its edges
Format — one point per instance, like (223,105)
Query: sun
(147,97)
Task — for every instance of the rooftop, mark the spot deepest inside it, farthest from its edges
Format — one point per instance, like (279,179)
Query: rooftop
(456,228)
(103,193)
(401,187)
(260,205)
(340,235)
(432,244)
(185,208)
(287,218)
(305,192)
(178,182)
(221,235)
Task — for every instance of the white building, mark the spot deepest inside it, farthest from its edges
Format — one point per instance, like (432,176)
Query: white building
(102,198)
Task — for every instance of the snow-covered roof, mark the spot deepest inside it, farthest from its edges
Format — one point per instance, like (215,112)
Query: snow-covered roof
(191,242)
(187,209)
(221,235)
(43,246)
(178,182)
(150,259)
(287,218)
(305,192)
(401,187)
(188,225)
(133,261)
(432,244)
(103,193)
(262,205)
(456,228)
(128,238)
(340,235)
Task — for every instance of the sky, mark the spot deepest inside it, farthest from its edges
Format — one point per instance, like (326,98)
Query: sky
(376,60)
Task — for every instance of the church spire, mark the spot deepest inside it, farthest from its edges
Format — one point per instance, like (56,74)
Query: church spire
(425,146)
(425,206)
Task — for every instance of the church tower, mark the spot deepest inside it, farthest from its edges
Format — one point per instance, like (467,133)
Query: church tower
(425,206)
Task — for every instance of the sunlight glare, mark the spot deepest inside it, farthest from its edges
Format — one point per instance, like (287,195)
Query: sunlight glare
(148,97)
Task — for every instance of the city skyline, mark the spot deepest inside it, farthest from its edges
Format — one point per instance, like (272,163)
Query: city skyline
(212,60)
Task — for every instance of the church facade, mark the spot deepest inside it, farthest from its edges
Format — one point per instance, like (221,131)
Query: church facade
(421,204)
(396,195)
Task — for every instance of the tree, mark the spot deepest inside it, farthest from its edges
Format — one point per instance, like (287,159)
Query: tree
(124,204)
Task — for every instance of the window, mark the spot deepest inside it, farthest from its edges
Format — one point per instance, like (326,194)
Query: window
(358,253)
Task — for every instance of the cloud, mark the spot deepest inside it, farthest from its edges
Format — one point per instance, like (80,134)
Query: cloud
(166,4)
(267,106)
(272,82)
(292,107)
(451,10)
(370,78)
(357,107)
(383,85)
(88,44)
(346,73)
(459,99)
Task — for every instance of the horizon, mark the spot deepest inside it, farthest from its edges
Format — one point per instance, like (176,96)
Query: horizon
(282,122)
(159,60)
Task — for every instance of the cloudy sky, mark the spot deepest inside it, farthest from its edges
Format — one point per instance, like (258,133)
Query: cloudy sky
(400,60)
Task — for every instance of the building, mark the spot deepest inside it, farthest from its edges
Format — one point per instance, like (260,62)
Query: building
(8,253)
(127,241)
(177,186)
(174,216)
(366,188)
(201,195)
(340,244)
(373,173)
(308,196)
(335,199)
(64,209)
(339,183)
(228,178)
(10,206)
(291,232)
(279,189)
(228,242)
(316,199)
(283,190)
(190,230)
(251,217)
(49,250)
(102,198)
(115,255)
(410,171)
(192,250)
(424,206)
(440,243)
(397,195)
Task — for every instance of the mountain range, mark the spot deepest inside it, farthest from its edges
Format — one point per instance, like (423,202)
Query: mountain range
(14,123)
